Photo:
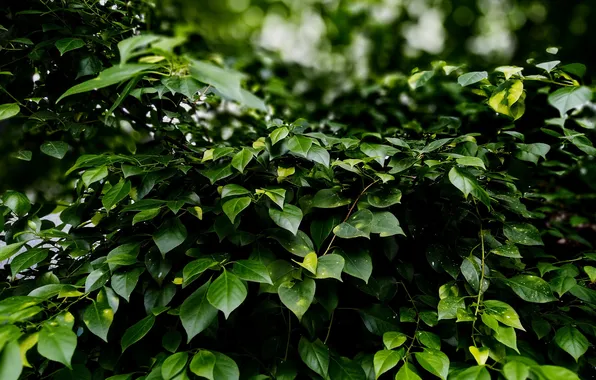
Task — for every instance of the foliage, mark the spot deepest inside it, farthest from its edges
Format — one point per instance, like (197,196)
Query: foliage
(431,225)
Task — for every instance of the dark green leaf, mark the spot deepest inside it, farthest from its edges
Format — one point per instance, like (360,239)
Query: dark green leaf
(531,288)
(196,313)
(315,355)
(137,331)
(297,296)
(572,341)
(226,293)
(289,218)
(170,235)
(357,225)
(67,44)
(235,206)
(56,149)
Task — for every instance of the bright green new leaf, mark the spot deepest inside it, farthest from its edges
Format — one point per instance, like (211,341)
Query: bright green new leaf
(503,313)
(385,360)
(241,159)
(310,262)
(507,336)
(549,372)
(203,364)
(394,339)
(278,134)
(419,79)
(214,366)
(407,372)
(480,354)
(509,71)
(93,175)
(467,184)
(505,96)
(297,296)
(300,145)
(99,315)
(515,370)
(227,292)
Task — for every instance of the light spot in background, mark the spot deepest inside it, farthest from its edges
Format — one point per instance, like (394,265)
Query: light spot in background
(36,77)
(238,5)
(427,34)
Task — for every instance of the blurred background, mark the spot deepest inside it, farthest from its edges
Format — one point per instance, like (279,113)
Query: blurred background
(368,37)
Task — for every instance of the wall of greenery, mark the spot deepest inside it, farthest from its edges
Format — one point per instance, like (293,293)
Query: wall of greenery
(170,210)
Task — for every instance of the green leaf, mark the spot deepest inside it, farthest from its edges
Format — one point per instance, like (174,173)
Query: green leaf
(227,292)
(130,46)
(299,244)
(278,196)
(17,202)
(232,190)
(278,134)
(297,296)
(467,184)
(562,284)
(328,198)
(196,313)
(569,98)
(252,270)
(572,341)
(531,288)
(310,262)
(89,66)
(241,159)
(184,85)
(478,372)
(531,152)
(378,152)
(235,206)
(428,339)
(480,354)
(358,263)
(385,224)
(137,331)
(385,199)
(203,364)
(9,110)
(107,78)
(394,339)
(26,259)
(330,266)
(419,79)
(117,193)
(315,355)
(509,71)
(126,254)
(25,155)
(57,343)
(93,175)
(522,233)
(124,283)
(289,218)
(170,235)
(320,229)
(11,364)
(516,370)
(407,372)
(345,369)
(471,161)
(506,335)
(214,366)
(99,315)
(503,313)
(385,360)
(319,155)
(56,149)
(590,271)
(434,361)
(300,145)
(195,268)
(507,250)
(471,269)
(173,365)
(145,215)
(357,225)
(448,307)
(97,279)
(577,69)
(67,44)
(471,78)
(505,96)
(551,372)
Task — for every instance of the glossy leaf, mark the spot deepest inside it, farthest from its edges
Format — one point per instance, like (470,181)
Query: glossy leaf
(196,313)
(297,296)
(226,293)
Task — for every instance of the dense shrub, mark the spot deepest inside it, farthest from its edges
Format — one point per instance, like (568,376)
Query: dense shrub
(437,224)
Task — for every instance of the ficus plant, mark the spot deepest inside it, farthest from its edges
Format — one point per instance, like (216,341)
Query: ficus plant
(446,234)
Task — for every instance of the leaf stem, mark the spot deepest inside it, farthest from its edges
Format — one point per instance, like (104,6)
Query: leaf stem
(350,213)
(329,328)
